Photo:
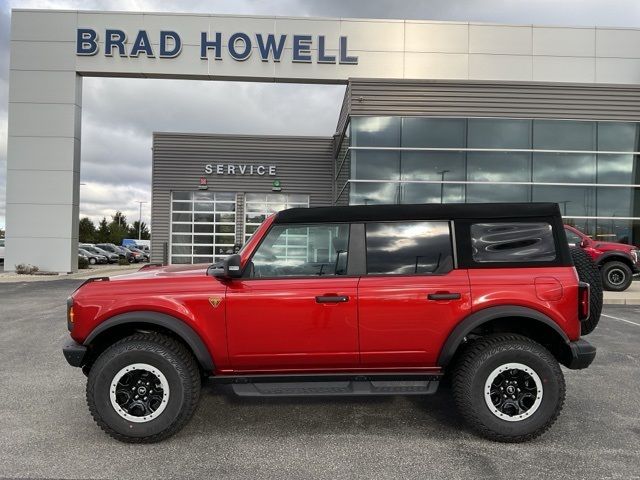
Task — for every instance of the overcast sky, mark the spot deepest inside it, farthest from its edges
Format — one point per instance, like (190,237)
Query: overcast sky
(119,115)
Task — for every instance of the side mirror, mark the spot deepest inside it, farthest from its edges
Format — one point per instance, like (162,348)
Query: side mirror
(583,243)
(227,268)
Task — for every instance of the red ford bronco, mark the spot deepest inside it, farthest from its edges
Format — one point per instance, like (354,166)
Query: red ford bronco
(360,300)
(618,262)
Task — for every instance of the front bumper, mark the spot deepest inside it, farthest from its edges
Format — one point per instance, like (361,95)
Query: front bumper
(74,353)
(582,354)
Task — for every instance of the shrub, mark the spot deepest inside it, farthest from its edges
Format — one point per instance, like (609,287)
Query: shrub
(122,260)
(83,262)
(25,269)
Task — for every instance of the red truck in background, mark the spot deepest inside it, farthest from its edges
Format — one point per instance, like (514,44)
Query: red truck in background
(618,262)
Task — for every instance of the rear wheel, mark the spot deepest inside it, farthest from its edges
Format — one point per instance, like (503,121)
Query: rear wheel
(143,388)
(616,276)
(508,388)
(92,261)
(588,272)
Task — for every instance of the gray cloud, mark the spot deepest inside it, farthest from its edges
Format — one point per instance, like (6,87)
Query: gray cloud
(119,115)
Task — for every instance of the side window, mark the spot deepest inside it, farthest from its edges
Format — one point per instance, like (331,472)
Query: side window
(406,248)
(302,250)
(512,242)
(572,238)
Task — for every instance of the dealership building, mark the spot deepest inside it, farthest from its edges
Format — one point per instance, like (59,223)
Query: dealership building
(433,112)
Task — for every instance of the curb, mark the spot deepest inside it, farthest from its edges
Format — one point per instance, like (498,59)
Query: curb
(621,301)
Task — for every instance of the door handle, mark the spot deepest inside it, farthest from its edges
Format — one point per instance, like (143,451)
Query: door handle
(332,299)
(444,296)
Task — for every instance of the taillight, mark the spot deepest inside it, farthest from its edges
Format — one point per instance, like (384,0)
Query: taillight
(70,314)
(584,293)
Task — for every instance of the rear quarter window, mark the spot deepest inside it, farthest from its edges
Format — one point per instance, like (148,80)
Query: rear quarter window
(512,242)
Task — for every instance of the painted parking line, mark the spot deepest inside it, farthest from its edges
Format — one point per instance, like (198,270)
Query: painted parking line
(620,319)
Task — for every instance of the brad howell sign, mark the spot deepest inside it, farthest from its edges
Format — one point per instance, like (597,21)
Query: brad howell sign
(239,47)
(230,169)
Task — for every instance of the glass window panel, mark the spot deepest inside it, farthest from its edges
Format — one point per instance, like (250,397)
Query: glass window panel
(375,165)
(182,217)
(572,237)
(180,260)
(225,228)
(224,250)
(618,137)
(325,255)
(181,195)
(564,168)
(200,195)
(203,207)
(181,238)
(573,201)
(181,227)
(182,206)
(206,239)
(432,193)
(585,225)
(249,229)
(564,135)
(207,228)
(255,197)
(617,169)
(512,242)
(434,132)
(499,133)
(226,217)
(197,260)
(432,166)
(225,239)
(617,202)
(373,193)
(375,131)
(615,230)
(408,248)
(225,207)
(477,193)
(203,217)
(181,249)
(499,167)
(225,196)
(203,250)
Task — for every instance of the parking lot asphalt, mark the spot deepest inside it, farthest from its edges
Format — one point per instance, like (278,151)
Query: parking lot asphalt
(46,430)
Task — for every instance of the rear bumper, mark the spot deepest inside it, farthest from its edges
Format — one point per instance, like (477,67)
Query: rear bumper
(582,354)
(74,353)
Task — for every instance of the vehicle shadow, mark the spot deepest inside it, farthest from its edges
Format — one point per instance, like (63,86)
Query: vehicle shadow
(223,412)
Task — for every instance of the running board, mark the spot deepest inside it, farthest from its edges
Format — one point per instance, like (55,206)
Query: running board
(336,388)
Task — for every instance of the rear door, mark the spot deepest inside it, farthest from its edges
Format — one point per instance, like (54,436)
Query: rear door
(412,295)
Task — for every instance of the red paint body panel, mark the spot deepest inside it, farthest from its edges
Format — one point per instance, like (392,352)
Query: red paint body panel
(278,323)
(399,325)
(517,286)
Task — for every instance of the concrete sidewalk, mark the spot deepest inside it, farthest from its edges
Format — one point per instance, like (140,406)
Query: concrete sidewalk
(630,296)
(93,271)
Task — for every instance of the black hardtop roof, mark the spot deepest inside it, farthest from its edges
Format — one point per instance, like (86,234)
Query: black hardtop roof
(436,211)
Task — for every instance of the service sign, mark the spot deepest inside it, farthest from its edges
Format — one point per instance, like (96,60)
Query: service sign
(239,47)
(239,169)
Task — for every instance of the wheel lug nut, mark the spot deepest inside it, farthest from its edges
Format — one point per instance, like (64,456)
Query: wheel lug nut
(136,397)
(145,399)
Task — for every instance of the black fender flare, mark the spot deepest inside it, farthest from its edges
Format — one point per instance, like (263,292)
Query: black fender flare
(473,321)
(615,255)
(175,325)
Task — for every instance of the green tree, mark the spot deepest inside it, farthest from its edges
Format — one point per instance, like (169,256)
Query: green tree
(133,231)
(86,231)
(103,234)
(118,228)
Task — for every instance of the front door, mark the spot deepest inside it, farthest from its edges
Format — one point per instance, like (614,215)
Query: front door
(295,308)
(411,297)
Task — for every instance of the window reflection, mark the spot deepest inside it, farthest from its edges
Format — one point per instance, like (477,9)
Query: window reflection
(564,168)
(408,248)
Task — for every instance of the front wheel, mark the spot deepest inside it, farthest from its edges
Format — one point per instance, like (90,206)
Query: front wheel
(508,388)
(616,276)
(143,388)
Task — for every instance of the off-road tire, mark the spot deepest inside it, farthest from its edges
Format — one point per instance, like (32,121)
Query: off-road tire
(589,272)
(621,267)
(476,364)
(166,354)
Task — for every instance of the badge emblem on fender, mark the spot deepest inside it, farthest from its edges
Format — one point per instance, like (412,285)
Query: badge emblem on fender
(215,301)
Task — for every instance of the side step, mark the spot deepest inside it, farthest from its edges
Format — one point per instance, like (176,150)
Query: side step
(336,388)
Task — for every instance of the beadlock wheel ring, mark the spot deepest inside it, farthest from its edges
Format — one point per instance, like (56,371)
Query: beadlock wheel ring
(521,400)
(116,390)
(616,276)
